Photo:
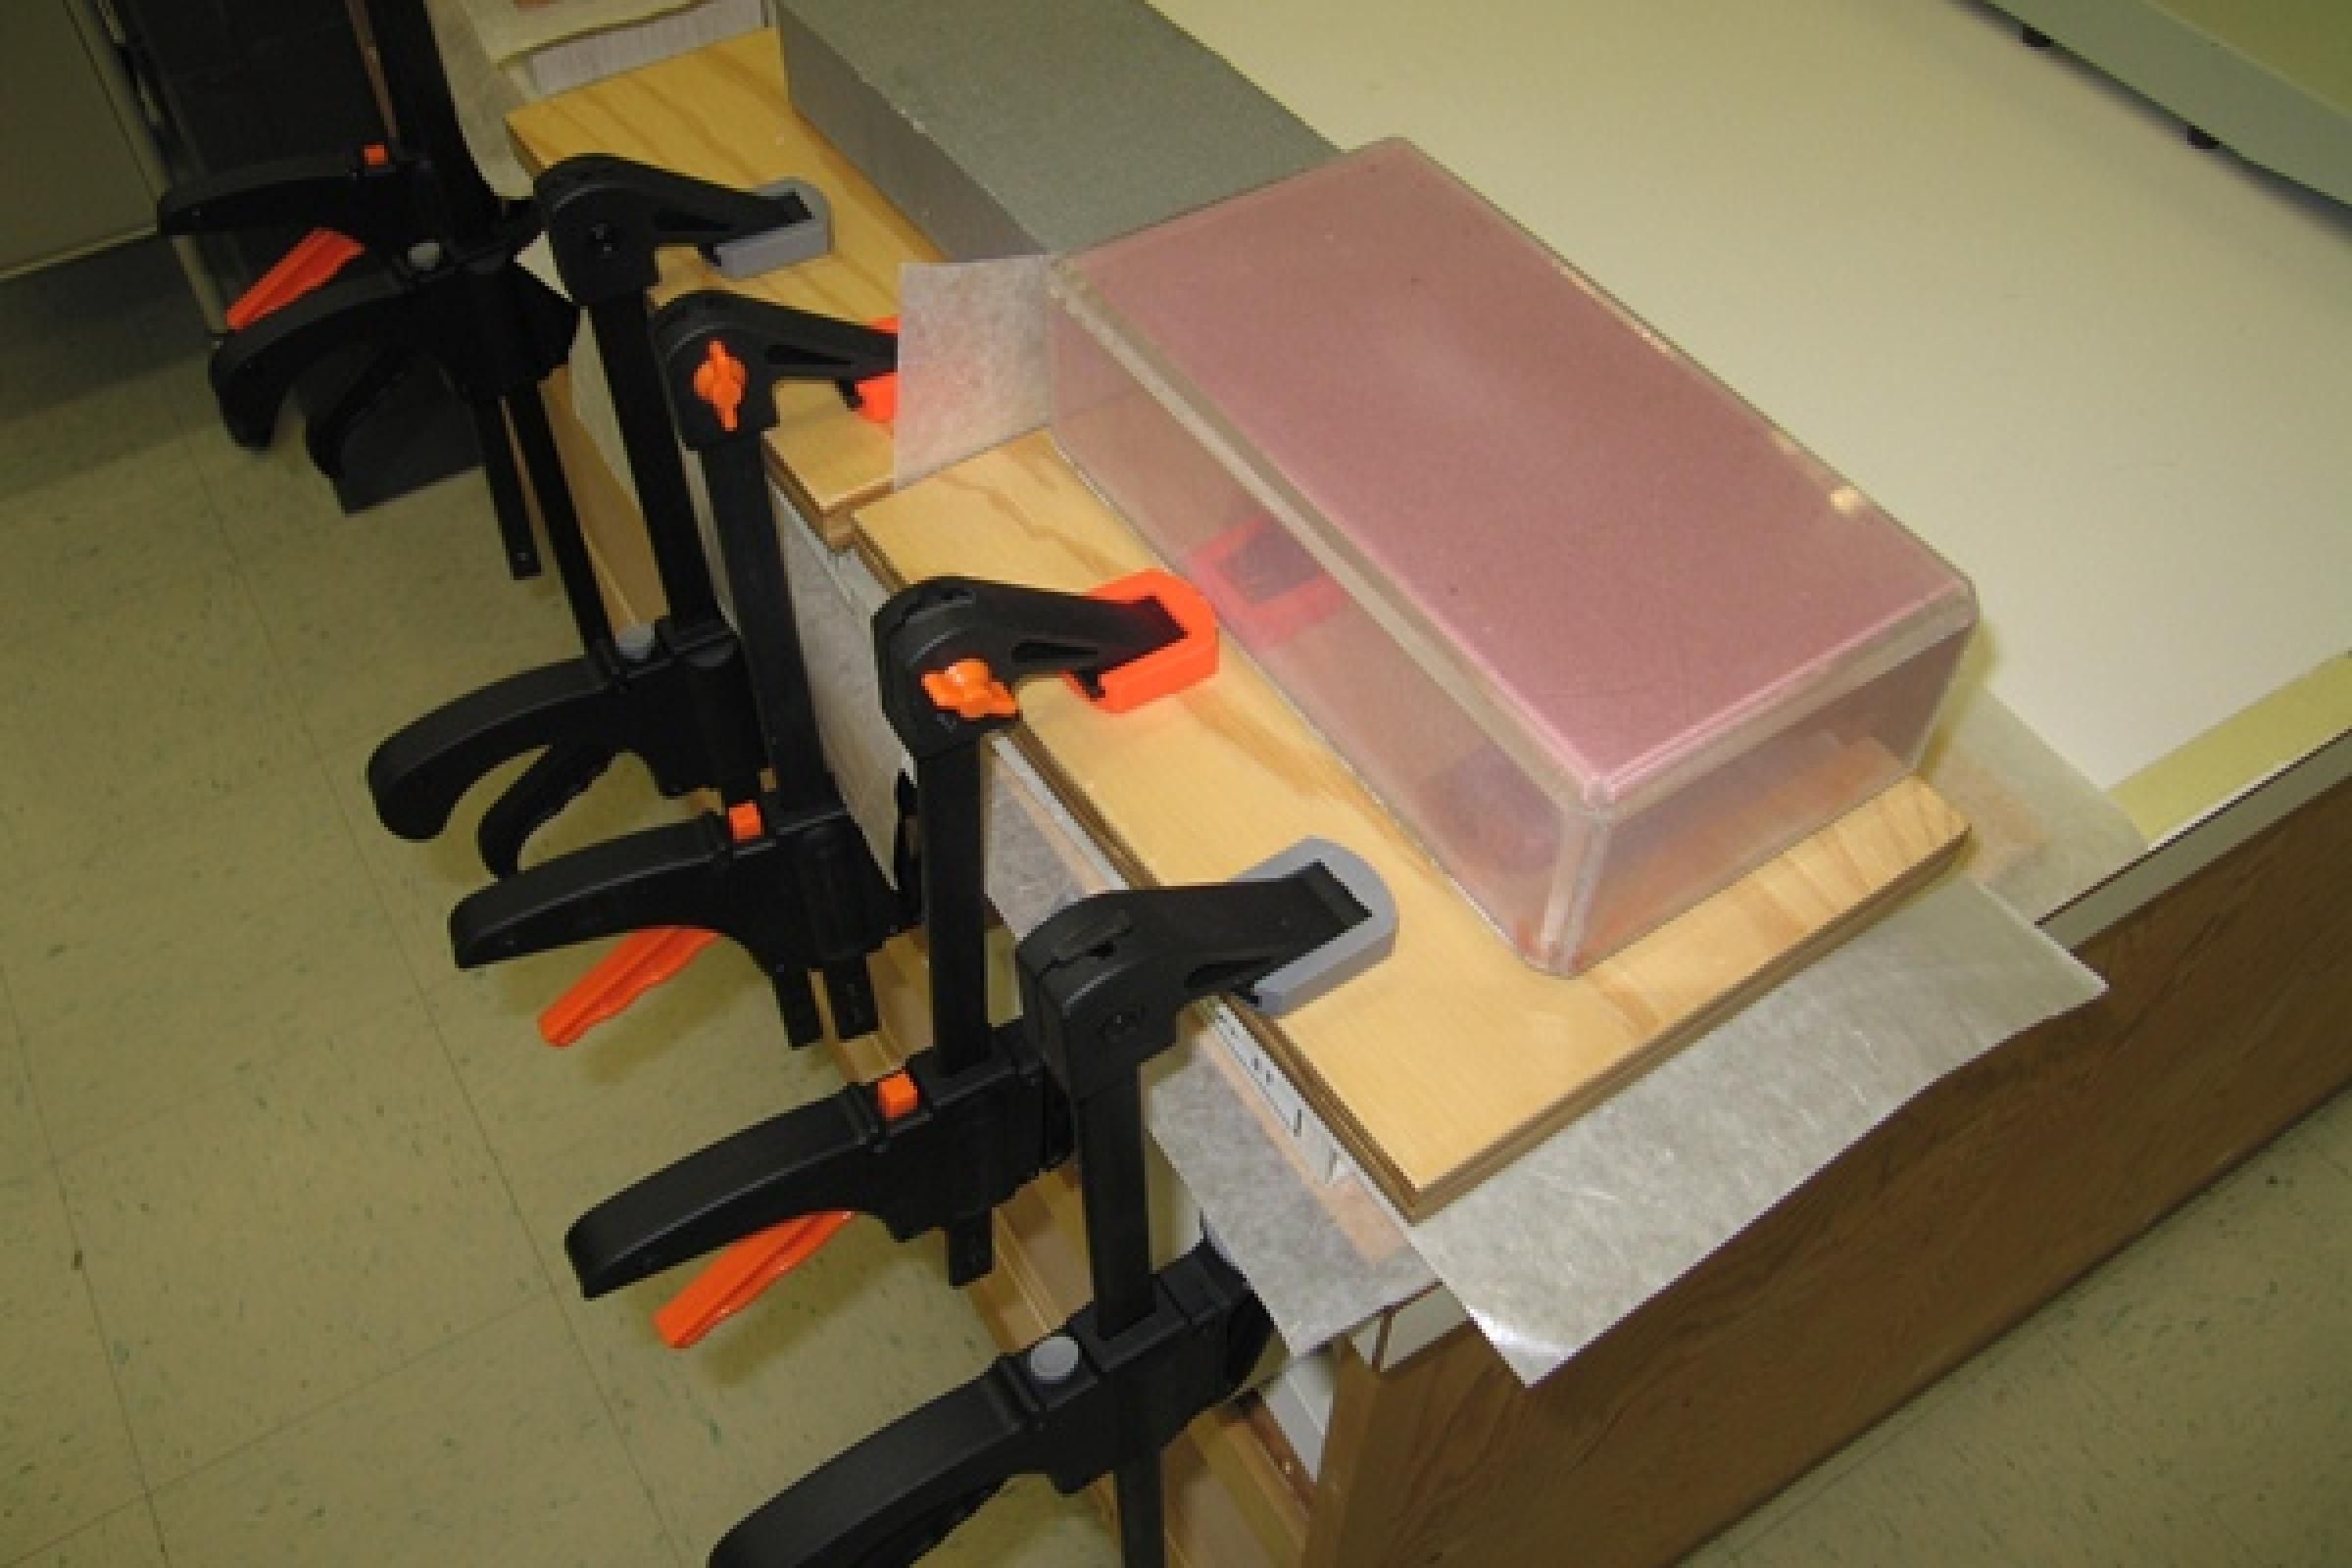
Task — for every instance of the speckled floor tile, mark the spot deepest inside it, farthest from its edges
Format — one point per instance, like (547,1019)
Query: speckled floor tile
(125,1539)
(263,499)
(420,883)
(120,527)
(2013,1459)
(1716,1554)
(1800,1492)
(860,1335)
(274,1245)
(97,353)
(375,625)
(144,708)
(148,971)
(493,1448)
(2224,1342)
(2327,1132)
(865,1332)
(24,1149)
(66,1456)
(54,424)
(694,1060)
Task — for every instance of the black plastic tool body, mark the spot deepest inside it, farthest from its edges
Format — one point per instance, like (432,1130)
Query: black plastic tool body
(677,696)
(436,232)
(969,1143)
(1102,983)
(1018,634)
(989,1120)
(801,893)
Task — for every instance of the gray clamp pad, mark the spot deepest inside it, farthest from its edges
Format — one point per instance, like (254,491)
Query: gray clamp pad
(782,246)
(1364,944)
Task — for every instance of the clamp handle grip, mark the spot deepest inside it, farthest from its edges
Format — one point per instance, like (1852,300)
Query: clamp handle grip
(643,960)
(887,1501)
(1074,1407)
(253,369)
(556,777)
(804,1161)
(417,776)
(742,1273)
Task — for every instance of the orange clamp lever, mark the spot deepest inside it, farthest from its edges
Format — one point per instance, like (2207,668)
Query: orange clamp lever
(736,1278)
(311,262)
(640,963)
(719,381)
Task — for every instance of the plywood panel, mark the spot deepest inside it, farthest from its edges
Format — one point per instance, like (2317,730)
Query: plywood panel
(1442,1063)
(722,114)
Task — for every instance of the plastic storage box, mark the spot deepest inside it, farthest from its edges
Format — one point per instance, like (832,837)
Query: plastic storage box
(1595,630)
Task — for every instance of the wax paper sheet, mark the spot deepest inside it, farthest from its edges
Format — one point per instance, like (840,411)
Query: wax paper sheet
(971,361)
(1571,1238)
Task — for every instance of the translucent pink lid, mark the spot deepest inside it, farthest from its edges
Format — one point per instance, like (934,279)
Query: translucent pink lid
(1591,539)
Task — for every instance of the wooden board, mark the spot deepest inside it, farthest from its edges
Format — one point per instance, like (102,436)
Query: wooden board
(1443,1062)
(722,114)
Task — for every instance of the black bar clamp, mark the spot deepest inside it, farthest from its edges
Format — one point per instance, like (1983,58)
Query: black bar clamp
(967,1145)
(985,1122)
(441,283)
(800,893)
(1074,1407)
(1104,984)
(676,694)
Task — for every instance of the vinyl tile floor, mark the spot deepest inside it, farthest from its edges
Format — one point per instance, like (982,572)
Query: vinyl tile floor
(282,1194)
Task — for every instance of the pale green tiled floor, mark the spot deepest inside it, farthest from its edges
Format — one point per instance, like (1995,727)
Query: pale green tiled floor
(282,1195)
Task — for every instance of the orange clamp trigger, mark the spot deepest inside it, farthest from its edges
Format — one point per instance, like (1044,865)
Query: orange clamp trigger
(1165,671)
(737,1276)
(719,381)
(878,395)
(314,259)
(639,963)
(971,689)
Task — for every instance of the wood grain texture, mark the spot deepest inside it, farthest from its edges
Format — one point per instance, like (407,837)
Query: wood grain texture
(722,114)
(1444,1061)
(2224,1024)
(610,522)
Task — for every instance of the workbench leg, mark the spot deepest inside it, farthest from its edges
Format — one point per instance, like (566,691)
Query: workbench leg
(2223,1025)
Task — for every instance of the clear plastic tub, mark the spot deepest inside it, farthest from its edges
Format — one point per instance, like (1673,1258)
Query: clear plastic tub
(1601,634)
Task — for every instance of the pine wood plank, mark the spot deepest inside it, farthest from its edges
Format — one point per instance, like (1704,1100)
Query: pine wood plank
(1442,1063)
(722,114)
